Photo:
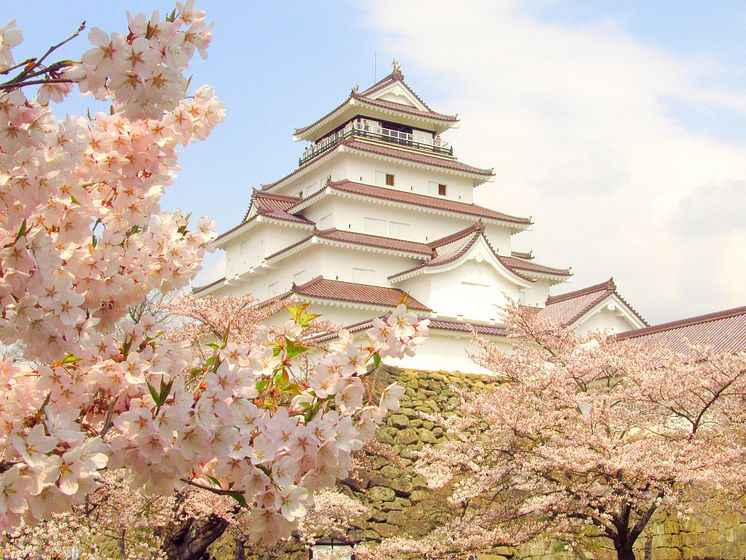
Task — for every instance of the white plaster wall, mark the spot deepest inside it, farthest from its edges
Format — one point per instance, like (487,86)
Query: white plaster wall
(347,264)
(366,169)
(604,320)
(424,226)
(250,248)
(537,294)
(499,237)
(340,316)
(444,352)
(471,292)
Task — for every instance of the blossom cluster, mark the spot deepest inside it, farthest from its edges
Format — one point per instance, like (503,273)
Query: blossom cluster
(82,240)
(583,436)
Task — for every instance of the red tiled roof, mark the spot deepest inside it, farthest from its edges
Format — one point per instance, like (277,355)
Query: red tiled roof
(197,289)
(526,256)
(425,201)
(415,157)
(275,205)
(376,241)
(363,97)
(724,331)
(322,288)
(452,247)
(452,164)
(571,306)
(355,238)
(521,264)
(395,76)
(404,108)
(441,324)
(270,205)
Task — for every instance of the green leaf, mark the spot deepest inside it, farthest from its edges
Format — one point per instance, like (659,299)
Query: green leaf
(376,360)
(261,384)
(154,394)
(214,480)
(293,389)
(239,498)
(70,359)
(22,230)
(293,348)
(281,379)
(165,390)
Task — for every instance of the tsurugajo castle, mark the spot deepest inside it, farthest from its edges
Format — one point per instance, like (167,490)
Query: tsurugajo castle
(379,207)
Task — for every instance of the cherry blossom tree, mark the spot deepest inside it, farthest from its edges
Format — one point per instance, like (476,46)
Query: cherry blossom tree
(584,437)
(83,240)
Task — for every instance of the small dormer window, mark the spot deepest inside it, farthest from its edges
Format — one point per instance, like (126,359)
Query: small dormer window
(390,179)
(442,189)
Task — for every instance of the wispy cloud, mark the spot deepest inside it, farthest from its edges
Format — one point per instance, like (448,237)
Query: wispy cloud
(579,124)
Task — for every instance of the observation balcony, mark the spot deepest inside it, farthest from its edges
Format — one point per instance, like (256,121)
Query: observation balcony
(367,129)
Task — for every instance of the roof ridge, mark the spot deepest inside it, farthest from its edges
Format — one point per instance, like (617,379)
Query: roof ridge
(609,286)
(311,282)
(454,236)
(278,196)
(679,323)
(530,263)
(363,234)
(196,289)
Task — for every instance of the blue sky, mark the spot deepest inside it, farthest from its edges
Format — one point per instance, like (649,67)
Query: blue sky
(679,67)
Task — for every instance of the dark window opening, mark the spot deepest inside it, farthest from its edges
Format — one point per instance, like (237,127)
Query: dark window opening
(442,190)
(389,179)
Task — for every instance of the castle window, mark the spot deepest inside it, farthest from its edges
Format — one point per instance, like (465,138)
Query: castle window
(400,229)
(441,189)
(389,179)
(375,226)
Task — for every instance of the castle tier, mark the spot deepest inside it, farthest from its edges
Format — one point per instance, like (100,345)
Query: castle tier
(378,211)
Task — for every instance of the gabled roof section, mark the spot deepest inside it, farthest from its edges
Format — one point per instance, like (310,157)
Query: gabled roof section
(273,205)
(269,206)
(395,79)
(724,331)
(366,294)
(429,203)
(453,247)
(391,94)
(571,307)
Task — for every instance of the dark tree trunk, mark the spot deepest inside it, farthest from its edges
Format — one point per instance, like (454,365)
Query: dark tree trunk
(191,540)
(624,551)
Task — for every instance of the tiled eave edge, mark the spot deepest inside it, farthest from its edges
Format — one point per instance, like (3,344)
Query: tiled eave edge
(243,227)
(553,278)
(330,190)
(303,244)
(332,302)
(481,177)
(358,328)
(208,288)
(342,148)
(517,277)
(305,133)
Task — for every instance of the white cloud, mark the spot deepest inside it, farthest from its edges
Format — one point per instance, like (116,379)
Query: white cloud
(574,120)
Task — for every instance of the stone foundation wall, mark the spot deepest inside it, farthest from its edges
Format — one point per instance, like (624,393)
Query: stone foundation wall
(400,503)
